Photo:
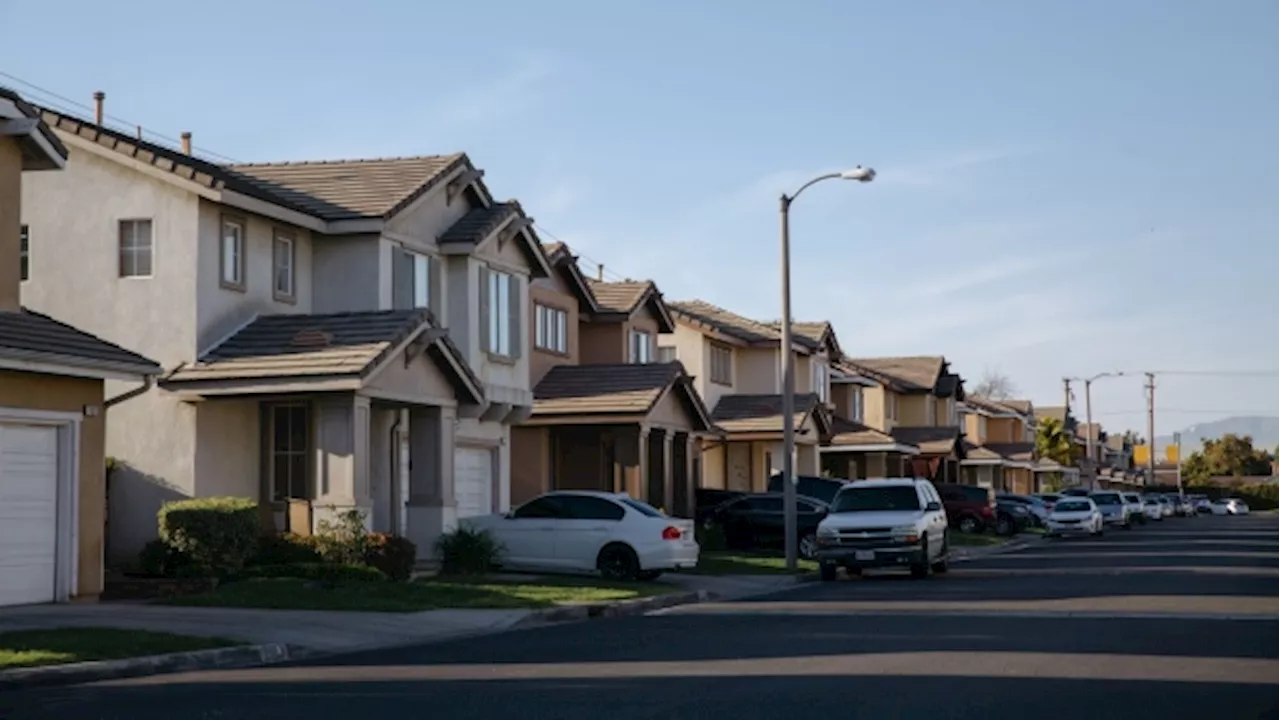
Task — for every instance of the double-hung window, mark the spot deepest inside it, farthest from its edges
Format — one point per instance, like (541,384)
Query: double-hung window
(820,379)
(24,253)
(856,412)
(284,270)
(721,364)
(500,309)
(231,253)
(135,248)
(641,346)
(552,330)
(290,451)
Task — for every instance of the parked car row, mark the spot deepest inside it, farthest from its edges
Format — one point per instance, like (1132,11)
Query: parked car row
(1078,511)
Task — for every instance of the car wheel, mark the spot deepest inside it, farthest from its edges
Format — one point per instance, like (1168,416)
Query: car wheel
(1004,526)
(618,562)
(968,524)
(808,546)
(827,572)
(921,569)
(940,565)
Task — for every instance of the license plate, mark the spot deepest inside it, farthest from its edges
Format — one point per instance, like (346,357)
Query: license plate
(864,555)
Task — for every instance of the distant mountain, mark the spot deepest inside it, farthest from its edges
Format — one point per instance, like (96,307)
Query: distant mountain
(1265,432)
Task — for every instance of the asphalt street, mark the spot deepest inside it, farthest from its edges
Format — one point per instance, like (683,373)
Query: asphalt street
(1177,619)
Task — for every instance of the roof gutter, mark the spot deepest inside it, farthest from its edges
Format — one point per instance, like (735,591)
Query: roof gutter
(148,381)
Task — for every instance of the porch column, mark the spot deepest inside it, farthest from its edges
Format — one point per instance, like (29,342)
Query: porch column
(431,508)
(691,483)
(635,476)
(342,458)
(668,473)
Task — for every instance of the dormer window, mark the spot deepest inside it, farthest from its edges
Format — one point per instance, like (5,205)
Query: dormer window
(642,348)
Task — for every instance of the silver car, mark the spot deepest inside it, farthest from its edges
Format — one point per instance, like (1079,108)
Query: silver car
(1114,509)
(1134,502)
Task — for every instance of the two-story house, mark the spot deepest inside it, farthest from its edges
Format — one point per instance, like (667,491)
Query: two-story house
(1000,450)
(53,405)
(607,413)
(910,424)
(339,334)
(736,364)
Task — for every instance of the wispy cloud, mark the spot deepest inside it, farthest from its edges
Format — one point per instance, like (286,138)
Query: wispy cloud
(978,276)
(495,98)
(946,168)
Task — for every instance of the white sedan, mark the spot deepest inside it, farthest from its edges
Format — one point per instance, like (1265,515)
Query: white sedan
(1075,516)
(1229,506)
(584,531)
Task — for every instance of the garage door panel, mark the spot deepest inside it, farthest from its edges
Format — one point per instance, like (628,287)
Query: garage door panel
(28,513)
(473,481)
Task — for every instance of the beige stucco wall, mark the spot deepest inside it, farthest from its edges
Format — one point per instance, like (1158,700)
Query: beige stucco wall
(10,221)
(1004,430)
(756,371)
(692,350)
(70,395)
(875,413)
(530,463)
(227,449)
(221,311)
(913,410)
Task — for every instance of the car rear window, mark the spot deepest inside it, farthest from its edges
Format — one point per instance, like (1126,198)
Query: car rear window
(1072,506)
(871,499)
(641,507)
(1107,498)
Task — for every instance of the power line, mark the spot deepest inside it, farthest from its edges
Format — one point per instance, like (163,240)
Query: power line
(72,107)
(601,269)
(1211,373)
(1186,411)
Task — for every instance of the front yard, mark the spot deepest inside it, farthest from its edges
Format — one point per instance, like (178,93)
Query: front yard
(425,594)
(35,648)
(715,562)
(960,539)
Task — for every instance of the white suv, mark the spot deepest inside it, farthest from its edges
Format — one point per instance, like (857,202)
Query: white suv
(891,522)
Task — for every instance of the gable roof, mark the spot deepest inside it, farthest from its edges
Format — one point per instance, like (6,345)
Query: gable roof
(41,148)
(1015,452)
(813,335)
(627,296)
(988,405)
(27,336)
(850,434)
(616,389)
(915,373)
(1055,412)
(932,440)
(347,345)
(351,189)
(701,313)
(563,261)
(763,413)
(1025,407)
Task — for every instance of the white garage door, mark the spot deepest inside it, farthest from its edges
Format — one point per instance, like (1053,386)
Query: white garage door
(28,513)
(473,481)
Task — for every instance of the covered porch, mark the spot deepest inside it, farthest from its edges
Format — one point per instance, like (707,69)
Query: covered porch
(1050,476)
(941,451)
(635,428)
(858,452)
(315,415)
(750,449)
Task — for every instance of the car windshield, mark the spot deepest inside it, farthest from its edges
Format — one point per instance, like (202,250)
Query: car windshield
(1107,498)
(871,499)
(641,507)
(1071,506)
(1132,498)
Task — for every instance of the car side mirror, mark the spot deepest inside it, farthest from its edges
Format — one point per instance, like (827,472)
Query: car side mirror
(933,506)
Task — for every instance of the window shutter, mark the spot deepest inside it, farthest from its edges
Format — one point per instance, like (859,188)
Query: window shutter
(401,279)
(513,297)
(435,292)
(484,308)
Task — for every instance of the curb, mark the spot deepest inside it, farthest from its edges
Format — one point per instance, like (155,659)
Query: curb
(221,658)
(961,554)
(593,611)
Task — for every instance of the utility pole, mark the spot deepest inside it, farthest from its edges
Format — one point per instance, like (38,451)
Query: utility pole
(1088,431)
(1066,396)
(1151,427)
(1177,443)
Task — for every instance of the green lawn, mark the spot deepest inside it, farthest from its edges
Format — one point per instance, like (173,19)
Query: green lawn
(959,539)
(743,563)
(32,648)
(426,594)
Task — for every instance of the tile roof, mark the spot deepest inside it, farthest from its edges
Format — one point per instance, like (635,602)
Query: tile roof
(347,189)
(1082,431)
(620,297)
(979,452)
(932,440)
(812,335)
(917,373)
(990,405)
(333,345)
(28,335)
(479,222)
(847,433)
(761,413)
(724,321)
(630,389)
(1022,406)
(1056,412)
(1016,452)
(31,111)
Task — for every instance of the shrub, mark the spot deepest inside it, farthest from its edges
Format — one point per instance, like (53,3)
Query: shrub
(710,537)
(392,555)
(159,560)
(343,540)
(467,551)
(218,534)
(322,572)
(285,549)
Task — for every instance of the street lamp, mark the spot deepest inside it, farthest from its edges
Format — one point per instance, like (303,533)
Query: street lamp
(859,174)
(1088,419)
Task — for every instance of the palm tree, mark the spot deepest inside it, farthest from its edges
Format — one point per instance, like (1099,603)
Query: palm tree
(1054,442)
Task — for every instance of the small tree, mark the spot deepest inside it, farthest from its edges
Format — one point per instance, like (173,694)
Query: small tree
(995,385)
(1054,442)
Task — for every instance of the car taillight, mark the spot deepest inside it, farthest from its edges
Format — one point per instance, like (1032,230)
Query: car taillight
(986,510)
(671,533)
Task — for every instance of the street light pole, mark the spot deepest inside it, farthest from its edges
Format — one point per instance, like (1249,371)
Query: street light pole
(1090,435)
(786,366)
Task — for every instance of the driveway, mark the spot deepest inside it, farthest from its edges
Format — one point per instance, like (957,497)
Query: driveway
(1172,620)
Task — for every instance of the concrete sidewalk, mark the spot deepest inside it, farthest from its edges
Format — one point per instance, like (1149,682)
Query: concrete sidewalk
(316,630)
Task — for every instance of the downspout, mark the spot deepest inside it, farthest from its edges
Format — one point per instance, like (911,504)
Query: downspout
(148,381)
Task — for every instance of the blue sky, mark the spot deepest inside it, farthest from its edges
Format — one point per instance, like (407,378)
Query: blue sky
(1064,188)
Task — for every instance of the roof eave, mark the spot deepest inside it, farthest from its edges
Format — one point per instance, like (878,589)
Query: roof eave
(74,366)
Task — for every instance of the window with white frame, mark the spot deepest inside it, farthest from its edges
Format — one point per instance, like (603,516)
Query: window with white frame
(552,330)
(500,313)
(284,272)
(721,364)
(856,400)
(641,346)
(421,281)
(24,252)
(135,248)
(821,378)
(231,253)
(667,354)
(289,452)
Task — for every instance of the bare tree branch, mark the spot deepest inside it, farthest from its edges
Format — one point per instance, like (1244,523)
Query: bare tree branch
(995,385)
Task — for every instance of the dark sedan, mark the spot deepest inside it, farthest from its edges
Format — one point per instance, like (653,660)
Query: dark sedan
(756,521)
